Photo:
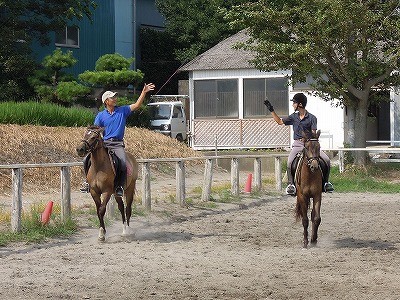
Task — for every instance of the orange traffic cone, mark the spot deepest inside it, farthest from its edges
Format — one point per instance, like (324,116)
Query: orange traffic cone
(247,188)
(45,217)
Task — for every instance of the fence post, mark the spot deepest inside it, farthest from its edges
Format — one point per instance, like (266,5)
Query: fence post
(257,174)
(65,193)
(235,176)
(207,180)
(341,161)
(180,183)
(278,173)
(110,208)
(16,207)
(146,192)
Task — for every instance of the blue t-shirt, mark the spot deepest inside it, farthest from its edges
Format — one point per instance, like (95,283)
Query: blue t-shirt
(306,125)
(114,123)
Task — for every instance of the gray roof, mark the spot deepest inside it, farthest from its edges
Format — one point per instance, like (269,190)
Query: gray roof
(223,56)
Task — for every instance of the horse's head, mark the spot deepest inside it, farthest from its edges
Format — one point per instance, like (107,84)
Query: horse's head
(91,140)
(312,150)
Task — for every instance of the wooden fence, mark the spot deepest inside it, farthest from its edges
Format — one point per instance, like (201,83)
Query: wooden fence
(65,174)
(17,175)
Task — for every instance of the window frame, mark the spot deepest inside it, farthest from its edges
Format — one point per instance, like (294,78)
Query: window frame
(66,35)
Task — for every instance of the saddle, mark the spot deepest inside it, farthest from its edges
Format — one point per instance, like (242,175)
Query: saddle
(115,163)
(298,161)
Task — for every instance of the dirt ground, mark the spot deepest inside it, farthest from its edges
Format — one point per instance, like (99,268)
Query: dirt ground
(251,249)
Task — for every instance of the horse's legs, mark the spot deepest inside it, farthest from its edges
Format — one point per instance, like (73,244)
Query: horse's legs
(301,211)
(315,218)
(121,208)
(101,211)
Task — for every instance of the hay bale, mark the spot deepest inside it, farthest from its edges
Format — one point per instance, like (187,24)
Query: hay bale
(42,144)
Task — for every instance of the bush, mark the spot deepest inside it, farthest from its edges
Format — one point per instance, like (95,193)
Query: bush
(70,91)
(113,62)
(112,71)
(45,114)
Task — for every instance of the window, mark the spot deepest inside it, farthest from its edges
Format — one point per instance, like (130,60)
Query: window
(256,90)
(177,112)
(69,37)
(216,98)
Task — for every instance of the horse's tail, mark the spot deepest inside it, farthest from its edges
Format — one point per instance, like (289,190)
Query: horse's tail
(298,213)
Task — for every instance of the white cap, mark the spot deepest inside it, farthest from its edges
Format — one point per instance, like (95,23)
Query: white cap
(107,94)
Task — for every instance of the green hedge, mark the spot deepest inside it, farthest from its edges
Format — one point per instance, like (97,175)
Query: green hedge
(44,114)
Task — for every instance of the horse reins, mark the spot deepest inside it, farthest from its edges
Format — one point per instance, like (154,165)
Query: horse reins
(95,144)
(310,159)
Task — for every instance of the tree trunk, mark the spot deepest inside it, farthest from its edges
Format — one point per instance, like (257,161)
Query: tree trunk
(350,125)
(360,131)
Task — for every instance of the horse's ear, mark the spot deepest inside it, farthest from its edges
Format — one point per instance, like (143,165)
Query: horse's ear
(317,134)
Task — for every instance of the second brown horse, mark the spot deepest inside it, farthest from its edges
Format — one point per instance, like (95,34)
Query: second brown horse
(309,185)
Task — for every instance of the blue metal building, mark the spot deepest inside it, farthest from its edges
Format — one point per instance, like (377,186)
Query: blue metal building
(114,29)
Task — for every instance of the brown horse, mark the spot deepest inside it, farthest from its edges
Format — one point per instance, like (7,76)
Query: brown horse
(101,175)
(309,185)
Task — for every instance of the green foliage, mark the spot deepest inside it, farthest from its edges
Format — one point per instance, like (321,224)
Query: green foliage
(44,114)
(195,25)
(69,91)
(349,48)
(58,60)
(46,93)
(113,62)
(33,231)
(111,71)
(23,21)
(49,85)
(373,178)
(102,78)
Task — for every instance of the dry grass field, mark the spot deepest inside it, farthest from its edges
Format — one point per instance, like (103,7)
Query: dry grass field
(41,144)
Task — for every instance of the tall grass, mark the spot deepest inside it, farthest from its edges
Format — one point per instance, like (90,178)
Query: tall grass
(382,178)
(33,231)
(44,114)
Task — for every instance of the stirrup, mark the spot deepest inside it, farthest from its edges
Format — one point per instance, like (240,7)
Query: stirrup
(119,191)
(291,190)
(85,188)
(328,187)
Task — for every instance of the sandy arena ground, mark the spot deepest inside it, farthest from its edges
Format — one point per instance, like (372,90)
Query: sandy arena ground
(248,250)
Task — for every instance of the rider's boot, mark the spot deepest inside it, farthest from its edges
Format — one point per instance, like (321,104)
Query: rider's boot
(85,188)
(119,190)
(291,188)
(327,186)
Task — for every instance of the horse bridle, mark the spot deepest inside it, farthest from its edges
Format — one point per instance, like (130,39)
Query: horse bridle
(94,145)
(310,159)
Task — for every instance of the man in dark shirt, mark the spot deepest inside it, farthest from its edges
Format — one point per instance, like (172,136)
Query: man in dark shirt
(302,121)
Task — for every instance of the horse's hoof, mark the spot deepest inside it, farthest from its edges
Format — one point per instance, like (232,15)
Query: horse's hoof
(126,230)
(102,235)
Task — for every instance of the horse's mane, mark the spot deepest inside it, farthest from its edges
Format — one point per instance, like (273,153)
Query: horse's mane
(93,127)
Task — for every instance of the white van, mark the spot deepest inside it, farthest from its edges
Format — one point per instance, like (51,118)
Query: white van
(169,118)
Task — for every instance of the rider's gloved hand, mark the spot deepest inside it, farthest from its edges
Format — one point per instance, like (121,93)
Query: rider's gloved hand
(269,105)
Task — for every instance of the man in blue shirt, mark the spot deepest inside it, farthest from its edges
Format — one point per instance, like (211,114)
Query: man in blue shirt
(302,121)
(113,119)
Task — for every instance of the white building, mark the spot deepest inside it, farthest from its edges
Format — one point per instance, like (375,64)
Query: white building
(226,103)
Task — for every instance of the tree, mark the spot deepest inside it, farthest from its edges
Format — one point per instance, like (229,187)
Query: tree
(22,21)
(112,71)
(195,25)
(52,84)
(350,48)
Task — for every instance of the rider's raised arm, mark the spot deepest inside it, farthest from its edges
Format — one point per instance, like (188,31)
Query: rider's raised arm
(269,106)
(147,88)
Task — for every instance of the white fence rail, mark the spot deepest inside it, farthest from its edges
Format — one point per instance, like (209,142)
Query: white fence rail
(17,177)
